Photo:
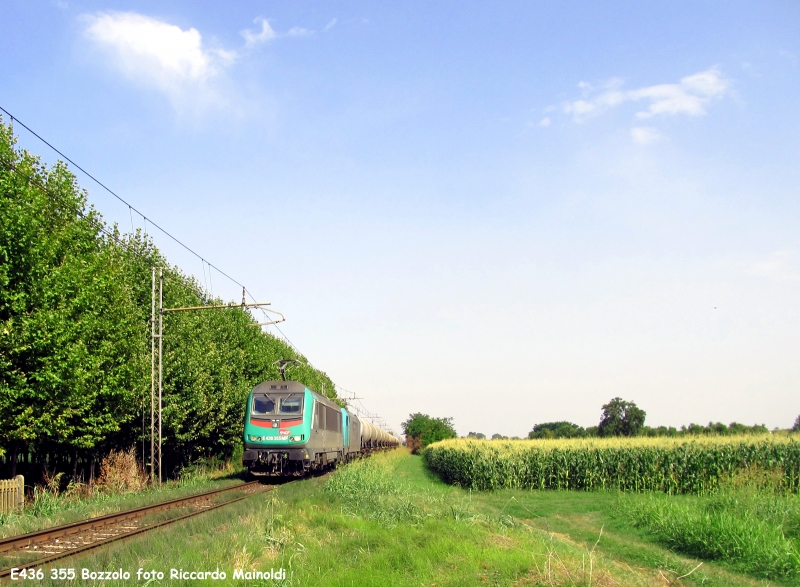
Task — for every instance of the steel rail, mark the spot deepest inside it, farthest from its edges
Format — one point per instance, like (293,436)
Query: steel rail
(21,541)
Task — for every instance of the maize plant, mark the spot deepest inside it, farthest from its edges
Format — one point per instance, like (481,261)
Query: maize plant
(695,465)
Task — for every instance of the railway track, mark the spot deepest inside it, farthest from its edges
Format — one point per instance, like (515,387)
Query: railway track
(60,542)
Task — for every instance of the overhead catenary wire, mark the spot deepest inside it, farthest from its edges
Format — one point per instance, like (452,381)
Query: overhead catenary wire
(110,191)
(99,225)
(145,218)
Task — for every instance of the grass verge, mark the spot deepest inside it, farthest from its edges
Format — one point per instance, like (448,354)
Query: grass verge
(752,531)
(387,521)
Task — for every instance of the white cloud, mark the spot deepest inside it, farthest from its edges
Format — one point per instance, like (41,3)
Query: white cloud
(297,31)
(265,34)
(329,26)
(176,62)
(545,121)
(690,96)
(161,51)
(645,135)
(156,54)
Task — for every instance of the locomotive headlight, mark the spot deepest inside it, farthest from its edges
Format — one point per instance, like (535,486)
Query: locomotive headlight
(295,439)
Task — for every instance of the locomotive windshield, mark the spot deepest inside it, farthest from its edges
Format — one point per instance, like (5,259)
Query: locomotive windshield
(292,404)
(263,404)
(280,404)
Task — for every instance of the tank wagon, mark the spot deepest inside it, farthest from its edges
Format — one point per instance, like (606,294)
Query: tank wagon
(290,430)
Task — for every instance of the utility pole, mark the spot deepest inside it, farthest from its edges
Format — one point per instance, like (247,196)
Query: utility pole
(160,360)
(153,380)
(158,350)
(156,382)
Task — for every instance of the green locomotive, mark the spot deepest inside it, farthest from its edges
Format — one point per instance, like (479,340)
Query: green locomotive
(290,430)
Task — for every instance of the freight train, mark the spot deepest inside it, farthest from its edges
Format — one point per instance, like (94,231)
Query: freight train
(290,430)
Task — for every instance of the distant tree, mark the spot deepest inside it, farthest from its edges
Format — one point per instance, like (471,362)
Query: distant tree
(499,437)
(736,428)
(718,429)
(733,429)
(477,435)
(557,430)
(796,427)
(660,431)
(712,429)
(421,430)
(694,429)
(621,418)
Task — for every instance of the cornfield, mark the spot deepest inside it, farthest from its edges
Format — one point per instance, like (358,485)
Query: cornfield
(683,465)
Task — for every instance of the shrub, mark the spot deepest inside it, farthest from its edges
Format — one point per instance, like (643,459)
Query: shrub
(120,472)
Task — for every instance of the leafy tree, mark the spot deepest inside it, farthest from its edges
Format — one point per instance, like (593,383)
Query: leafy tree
(69,329)
(621,418)
(477,435)
(796,427)
(422,430)
(557,430)
(737,428)
(693,429)
(499,437)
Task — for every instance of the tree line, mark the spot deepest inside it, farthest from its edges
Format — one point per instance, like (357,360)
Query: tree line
(75,307)
(619,418)
(625,418)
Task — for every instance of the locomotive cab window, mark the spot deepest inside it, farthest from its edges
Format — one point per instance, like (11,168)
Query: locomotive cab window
(263,404)
(291,405)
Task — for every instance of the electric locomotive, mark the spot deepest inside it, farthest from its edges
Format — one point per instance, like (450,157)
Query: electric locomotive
(289,430)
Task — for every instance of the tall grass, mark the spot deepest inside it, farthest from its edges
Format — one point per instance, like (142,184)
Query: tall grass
(754,531)
(445,536)
(670,465)
(368,489)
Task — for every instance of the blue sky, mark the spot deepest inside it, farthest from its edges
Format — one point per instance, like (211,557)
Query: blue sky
(506,213)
